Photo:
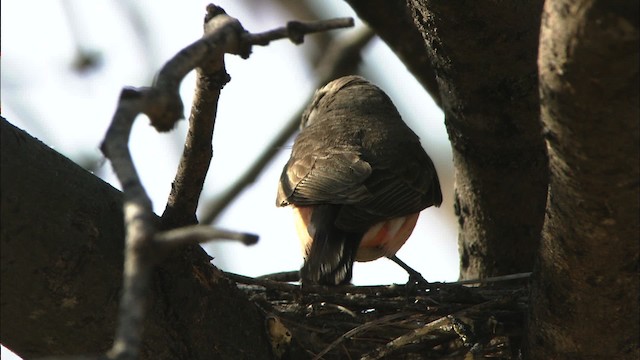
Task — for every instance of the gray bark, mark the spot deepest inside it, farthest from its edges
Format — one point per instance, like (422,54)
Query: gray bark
(585,295)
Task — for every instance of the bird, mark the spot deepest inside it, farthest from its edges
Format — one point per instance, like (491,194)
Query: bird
(357,179)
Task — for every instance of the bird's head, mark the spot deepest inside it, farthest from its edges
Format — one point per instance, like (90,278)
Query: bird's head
(326,95)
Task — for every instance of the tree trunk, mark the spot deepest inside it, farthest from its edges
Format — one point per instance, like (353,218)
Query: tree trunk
(392,21)
(585,295)
(484,57)
(61,269)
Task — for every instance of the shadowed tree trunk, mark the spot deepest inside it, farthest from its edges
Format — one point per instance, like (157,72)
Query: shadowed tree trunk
(484,55)
(393,22)
(62,253)
(585,298)
(585,303)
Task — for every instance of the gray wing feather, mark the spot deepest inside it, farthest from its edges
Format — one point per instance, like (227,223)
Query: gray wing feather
(355,150)
(335,176)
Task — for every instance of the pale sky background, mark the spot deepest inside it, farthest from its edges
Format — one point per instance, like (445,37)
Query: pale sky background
(42,94)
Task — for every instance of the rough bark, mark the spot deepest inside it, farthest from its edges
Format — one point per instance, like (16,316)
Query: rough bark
(585,298)
(392,21)
(61,268)
(484,56)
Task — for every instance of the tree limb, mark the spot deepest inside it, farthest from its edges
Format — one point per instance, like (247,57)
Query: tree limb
(393,22)
(585,287)
(484,56)
(341,58)
(162,104)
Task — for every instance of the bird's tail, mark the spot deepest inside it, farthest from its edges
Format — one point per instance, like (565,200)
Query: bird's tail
(332,251)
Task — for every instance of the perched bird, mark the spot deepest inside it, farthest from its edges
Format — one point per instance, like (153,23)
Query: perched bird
(357,179)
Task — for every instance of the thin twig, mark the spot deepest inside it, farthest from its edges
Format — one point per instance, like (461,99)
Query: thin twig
(445,323)
(211,77)
(387,290)
(342,58)
(358,329)
(319,289)
(492,279)
(137,274)
(199,234)
(162,104)
(283,276)
(196,156)
(296,30)
(85,59)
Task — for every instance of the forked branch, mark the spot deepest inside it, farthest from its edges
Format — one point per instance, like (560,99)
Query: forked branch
(145,245)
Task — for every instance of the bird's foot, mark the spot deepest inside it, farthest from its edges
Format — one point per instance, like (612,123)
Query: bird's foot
(416,280)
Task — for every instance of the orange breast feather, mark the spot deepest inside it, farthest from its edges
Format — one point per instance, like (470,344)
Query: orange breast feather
(383,239)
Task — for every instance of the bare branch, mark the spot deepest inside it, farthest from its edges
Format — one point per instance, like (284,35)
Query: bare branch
(282,276)
(266,281)
(277,285)
(493,279)
(296,30)
(187,186)
(162,104)
(199,234)
(393,22)
(138,265)
(351,333)
(342,58)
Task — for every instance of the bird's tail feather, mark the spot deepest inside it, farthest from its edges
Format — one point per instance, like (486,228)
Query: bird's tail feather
(332,252)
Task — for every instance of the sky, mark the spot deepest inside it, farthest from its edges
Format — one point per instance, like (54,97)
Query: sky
(70,111)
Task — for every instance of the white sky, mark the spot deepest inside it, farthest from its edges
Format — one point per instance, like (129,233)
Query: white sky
(70,112)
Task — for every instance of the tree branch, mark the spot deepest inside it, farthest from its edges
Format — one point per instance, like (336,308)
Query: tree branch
(162,104)
(485,60)
(585,287)
(296,30)
(393,22)
(196,234)
(341,58)
(194,164)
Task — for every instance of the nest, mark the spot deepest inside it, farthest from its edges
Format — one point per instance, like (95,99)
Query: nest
(412,321)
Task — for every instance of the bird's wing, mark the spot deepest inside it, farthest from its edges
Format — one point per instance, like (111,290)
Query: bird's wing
(394,189)
(329,176)
(370,192)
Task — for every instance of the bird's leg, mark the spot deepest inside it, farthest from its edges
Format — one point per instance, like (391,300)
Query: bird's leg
(414,276)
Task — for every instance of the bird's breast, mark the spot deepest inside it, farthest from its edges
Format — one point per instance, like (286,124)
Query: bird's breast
(384,238)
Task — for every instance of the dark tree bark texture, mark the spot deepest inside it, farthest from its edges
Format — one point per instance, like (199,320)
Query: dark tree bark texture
(585,299)
(484,56)
(61,271)
(392,21)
